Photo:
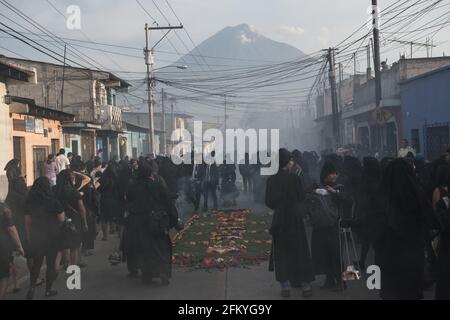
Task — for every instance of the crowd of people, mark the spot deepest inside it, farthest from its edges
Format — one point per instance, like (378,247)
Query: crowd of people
(56,219)
(59,218)
(397,206)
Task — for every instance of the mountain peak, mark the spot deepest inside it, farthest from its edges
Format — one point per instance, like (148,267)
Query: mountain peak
(244,45)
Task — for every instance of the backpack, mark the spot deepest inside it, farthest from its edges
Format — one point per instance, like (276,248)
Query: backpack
(321,210)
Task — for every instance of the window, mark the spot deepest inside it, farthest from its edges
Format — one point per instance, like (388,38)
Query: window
(415,140)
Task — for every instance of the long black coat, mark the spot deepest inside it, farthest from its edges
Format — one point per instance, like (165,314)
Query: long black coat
(17,193)
(154,251)
(290,257)
(401,218)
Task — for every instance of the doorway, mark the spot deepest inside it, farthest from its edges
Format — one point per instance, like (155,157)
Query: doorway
(39,158)
(19,153)
(75,147)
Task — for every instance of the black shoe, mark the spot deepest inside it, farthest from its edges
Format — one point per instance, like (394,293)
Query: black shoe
(327,286)
(51,293)
(165,281)
(286,293)
(30,294)
(40,282)
(339,287)
(149,283)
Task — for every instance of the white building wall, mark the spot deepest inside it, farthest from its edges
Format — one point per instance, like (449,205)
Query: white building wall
(5,141)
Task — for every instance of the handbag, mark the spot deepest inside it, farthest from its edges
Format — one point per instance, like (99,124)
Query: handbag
(158,222)
(322,211)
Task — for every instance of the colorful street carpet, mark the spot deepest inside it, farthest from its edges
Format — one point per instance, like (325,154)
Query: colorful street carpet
(224,239)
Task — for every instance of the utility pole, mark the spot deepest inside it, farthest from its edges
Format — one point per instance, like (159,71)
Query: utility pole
(354,64)
(428,45)
(376,53)
(341,78)
(334,99)
(63,79)
(369,63)
(163,107)
(377,66)
(148,52)
(225,121)
(55,74)
(172,121)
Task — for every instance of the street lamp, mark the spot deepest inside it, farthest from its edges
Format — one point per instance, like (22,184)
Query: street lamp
(181,67)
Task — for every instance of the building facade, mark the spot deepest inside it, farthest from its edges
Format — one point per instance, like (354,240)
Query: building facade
(426,112)
(9,75)
(36,133)
(90,95)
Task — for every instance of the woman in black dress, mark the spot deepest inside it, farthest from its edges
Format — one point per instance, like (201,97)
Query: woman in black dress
(72,202)
(110,201)
(401,221)
(43,221)
(9,241)
(326,252)
(17,192)
(83,183)
(365,201)
(228,189)
(290,257)
(152,214)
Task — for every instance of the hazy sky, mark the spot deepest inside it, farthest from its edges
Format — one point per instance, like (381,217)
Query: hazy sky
(307,25)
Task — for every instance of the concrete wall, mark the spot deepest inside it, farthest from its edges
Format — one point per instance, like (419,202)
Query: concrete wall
(5,141)
(425,100)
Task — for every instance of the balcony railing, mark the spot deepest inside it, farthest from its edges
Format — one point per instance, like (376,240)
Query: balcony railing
(111,118)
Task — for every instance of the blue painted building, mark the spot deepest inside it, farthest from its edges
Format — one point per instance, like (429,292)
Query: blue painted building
(426,112)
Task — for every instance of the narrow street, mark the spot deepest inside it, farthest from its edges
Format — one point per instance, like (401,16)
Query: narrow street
(102,281)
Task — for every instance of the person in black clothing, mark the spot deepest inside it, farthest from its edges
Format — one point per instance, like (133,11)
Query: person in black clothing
(134,166)
(15,199)
(442,209)
(9,242)
(326,253)
(401,221)
(365,202)
(152,214)
(110,200)
(209,183)
(229,191)
(124,175)
(44,218)
(197,177)
(290,257)
(86,187)
(246,171)
(301,169)
(72,201)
